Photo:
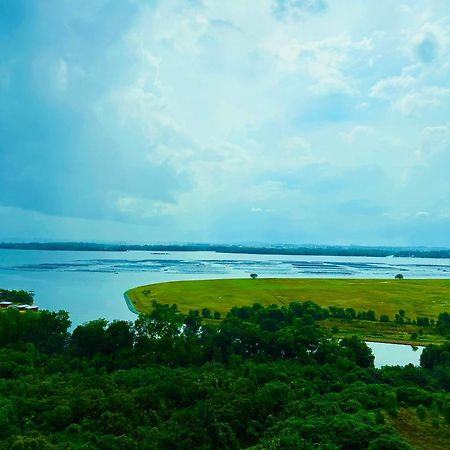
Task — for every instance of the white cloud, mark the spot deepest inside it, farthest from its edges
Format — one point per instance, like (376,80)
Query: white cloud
(217,112)
(430,43)
(144,208)
(403,8)
(439,132)
(65,73)
(409,96)
(428,97)
(356,133)
(327,62)
(294,153)
(261,210)
(293,9)
(390,88)
(422,86)
(435,141)
(426,47)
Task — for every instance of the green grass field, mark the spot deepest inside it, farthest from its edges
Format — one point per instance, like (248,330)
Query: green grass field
(417,297)
(425,298)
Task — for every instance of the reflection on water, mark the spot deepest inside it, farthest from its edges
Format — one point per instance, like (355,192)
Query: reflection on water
(395,354)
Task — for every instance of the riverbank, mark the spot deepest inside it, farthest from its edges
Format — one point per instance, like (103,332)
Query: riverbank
(130,304)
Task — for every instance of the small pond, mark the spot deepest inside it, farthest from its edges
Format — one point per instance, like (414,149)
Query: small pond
(395,354)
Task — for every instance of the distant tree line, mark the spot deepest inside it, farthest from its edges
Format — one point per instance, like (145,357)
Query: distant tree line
(441,326)
(326,250)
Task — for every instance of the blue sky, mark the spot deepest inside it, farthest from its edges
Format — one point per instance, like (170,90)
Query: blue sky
(297,121)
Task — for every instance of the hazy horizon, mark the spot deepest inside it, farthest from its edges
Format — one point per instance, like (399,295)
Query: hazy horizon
(249,244)
(288,121)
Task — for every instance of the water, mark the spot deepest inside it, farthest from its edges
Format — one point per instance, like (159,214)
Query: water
(395,354)
(90,285)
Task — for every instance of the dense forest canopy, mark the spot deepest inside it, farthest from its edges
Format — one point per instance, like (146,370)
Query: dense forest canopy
(263,377)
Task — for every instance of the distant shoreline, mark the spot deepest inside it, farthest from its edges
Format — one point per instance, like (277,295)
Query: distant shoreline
(305,250)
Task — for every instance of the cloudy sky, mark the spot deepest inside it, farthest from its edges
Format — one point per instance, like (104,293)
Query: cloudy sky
(297,121)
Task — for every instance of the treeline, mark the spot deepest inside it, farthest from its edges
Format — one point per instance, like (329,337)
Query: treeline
(263,378)
(13,296)
(165,336)
(326,250)
(440,326)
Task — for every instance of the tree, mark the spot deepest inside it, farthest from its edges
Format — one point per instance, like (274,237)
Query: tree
(192,322)
(164,321)
(46,330)
(443,323)
(399,276)
(254,276)
(435,355)
(206,313)
(90,338)
(423,321)
(358,351)
(401,316)
(120,335)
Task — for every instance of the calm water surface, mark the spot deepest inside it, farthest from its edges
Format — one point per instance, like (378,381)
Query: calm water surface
(395,354)
(90,285)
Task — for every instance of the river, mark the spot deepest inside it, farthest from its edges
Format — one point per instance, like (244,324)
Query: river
(90,285)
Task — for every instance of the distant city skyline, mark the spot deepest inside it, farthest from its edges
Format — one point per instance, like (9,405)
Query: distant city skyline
(277,121)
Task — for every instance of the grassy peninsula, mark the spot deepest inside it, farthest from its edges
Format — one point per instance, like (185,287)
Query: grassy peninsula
(401,302)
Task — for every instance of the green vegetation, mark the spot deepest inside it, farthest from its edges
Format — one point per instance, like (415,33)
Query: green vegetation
(262,378)
(427,298)
(22,297)
(418,424)
(378,310)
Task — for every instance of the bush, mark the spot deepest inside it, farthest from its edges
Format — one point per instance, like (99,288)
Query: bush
(389,443)
(421,412)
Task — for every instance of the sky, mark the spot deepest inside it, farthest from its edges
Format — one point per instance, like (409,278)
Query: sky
(276,121)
